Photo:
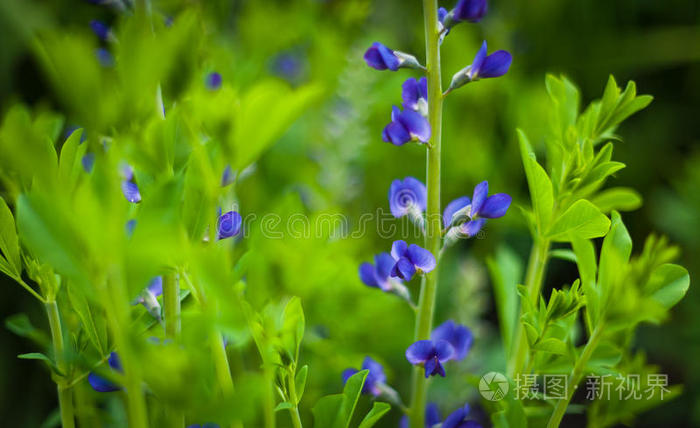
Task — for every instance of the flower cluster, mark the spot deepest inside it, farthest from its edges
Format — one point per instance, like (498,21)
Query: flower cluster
(448,342)
(464,217)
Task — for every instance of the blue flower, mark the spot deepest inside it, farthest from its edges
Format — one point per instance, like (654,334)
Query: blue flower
(431,354)
(469,10)
(483,66)
(104,57)
(407,195)
(149,297)
(415,95)
(459,336)
(458,419)
(289,65)
(100,29)
(405,126)
(101,384)
(375,378)
(130,225)
(379,274)
(432,416)
(88,161)
(477,210)
(131,191)
(410,259)
(228,225)
(213,81)
(381,57)
(227,176)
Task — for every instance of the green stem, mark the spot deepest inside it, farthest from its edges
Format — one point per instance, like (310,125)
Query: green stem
(171,303)
(426,301)
(65,396)
(533,283)
(294,411)
(223,370)
(576,376)
(269,399)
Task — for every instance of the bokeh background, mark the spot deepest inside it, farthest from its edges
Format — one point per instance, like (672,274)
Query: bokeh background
(332,161)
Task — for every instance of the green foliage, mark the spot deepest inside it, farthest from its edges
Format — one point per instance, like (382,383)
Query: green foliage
(336,411)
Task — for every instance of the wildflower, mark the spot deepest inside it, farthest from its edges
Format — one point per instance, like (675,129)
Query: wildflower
(289,65)
(130,225)
(227,176)
(104,57)
(379,275)
(375,378)
(213,81)
(407,197)
(410,259)
(483,66)
(431,354)
(131,191)
(228,225)
(480,208)
(458,419)
(100,29)
(432,416)
(381,57)
(88,161)
(459,336)
(405,126)
(469,10)
(415,95)
(101,384)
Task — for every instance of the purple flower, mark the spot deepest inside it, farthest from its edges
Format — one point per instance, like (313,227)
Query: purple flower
(131,191)
(381,57)
(407,195)
(379,274)
(100,29)
(213,81)
(410,259)
(101,384)
(227,176)
(459,336)
(431,354)
(405,126)
(432,416)
(375,377)
(104,57)
(289,66)
(130,225)
(229,225)
(477,210)
(88,161)
(494,65)
(469,10)
(415,95)
(458,419)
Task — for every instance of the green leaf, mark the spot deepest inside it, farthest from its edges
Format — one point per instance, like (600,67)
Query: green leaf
(293,326)
(552,346)
(300,382)
(20,325)
(563,254)
(614,256)
(587,267)
(265,112)
(541,191)
(506,270)
(335,411)
(617,198)
(70,162)
(82,308)
(284,405)
(378,410)
(668,283)
(582,220)
(41,357)
(9,243)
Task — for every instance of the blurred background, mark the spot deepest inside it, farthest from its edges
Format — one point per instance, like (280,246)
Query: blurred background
(332,161)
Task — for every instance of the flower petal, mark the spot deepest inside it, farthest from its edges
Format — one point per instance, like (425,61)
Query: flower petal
(432,415)
(367,274)
(405,268)
(480,192)
(405,194)
(376,371)
(383,263)
(456,417)
(398,249)
(496,64)
(101,384)
(453,207)
(155,287)
(131,191)
(459,336)
(470,10)
(443,350)
(478,61)
(471,228)
(431,367)
(396,134)
(495,206)
(410,94)
(421,258)
(420,351)
(347,373)
(416,124)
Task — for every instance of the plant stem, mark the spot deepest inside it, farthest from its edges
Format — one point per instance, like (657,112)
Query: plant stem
(294,412)
(576,375)
(65,396)
(171,303)
(223,370)
(426,302)
(533,283)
